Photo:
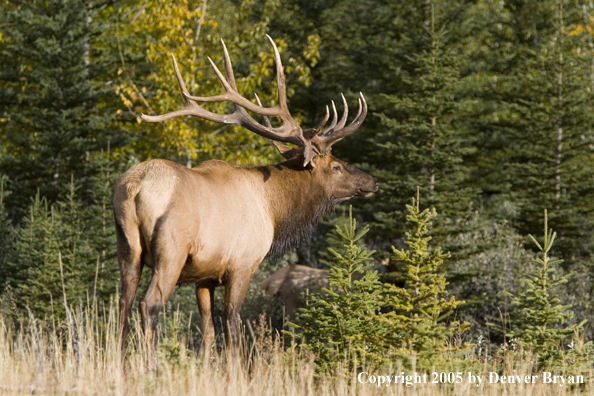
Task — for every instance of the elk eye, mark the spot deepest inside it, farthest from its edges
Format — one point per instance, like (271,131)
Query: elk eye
(336,168)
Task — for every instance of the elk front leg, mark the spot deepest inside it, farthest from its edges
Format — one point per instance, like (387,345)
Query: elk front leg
(205,297)
(235,291)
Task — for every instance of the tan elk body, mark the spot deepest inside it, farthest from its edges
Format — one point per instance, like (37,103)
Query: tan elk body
(212,225)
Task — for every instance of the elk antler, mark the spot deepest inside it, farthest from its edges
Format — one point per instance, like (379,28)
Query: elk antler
(288,132)
(336,130)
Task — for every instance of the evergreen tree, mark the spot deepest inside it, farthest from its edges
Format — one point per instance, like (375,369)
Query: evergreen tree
(424,140)
(99,229)
(54,114)
(552,164)
(66,241)
(533,89)
(342,324)
(418,311)
(538,314)
(535,145)
(359,44)
(379,48)
(52,256)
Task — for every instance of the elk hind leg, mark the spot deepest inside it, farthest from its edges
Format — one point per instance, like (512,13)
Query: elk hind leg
(129,251)
(167,267)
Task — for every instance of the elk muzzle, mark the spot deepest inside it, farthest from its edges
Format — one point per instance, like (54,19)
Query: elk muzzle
(368,188)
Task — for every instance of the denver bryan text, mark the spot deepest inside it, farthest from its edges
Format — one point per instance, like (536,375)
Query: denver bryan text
(547,378)
(469,378)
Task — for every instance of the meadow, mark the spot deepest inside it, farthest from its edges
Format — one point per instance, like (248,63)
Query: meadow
(81,358)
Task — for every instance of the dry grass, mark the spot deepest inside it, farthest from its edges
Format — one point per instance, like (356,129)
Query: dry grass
(80,357)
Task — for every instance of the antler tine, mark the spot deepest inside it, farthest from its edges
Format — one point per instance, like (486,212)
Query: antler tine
(342,121)
(334,117)
(265,120)
(228,67)
(226,84)
(280,77)
(310,133)
(180,80)
(345,113)
(193,109)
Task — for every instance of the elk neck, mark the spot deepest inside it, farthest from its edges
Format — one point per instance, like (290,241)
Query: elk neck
(296,202)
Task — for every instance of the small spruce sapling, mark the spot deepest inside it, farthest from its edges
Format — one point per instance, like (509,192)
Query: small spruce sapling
(98,220)
(538,316)
(342,324)
(418,310)
(52,254)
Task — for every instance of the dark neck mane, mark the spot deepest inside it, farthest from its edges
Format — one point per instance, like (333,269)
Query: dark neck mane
(297,203)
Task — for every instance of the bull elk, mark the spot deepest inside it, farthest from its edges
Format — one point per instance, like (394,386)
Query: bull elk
(213,224)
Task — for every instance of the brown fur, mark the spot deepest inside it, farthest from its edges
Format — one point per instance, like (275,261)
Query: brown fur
(289,282)
(213,225)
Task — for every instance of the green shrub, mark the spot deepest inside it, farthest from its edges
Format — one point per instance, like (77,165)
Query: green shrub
(373,324)
(417,313)
(343,324)
(539,321)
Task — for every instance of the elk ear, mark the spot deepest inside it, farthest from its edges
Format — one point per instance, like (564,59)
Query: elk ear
(286,151)
(314,161)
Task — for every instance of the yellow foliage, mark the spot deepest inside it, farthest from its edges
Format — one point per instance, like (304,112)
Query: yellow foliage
(578,29)
(125,100)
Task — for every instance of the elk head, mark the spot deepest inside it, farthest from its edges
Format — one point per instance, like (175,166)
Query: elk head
(339,180)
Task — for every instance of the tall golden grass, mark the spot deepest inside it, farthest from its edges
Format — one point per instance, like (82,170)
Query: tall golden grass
(79,356)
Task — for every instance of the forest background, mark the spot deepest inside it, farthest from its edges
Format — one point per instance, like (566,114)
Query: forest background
(486,105)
